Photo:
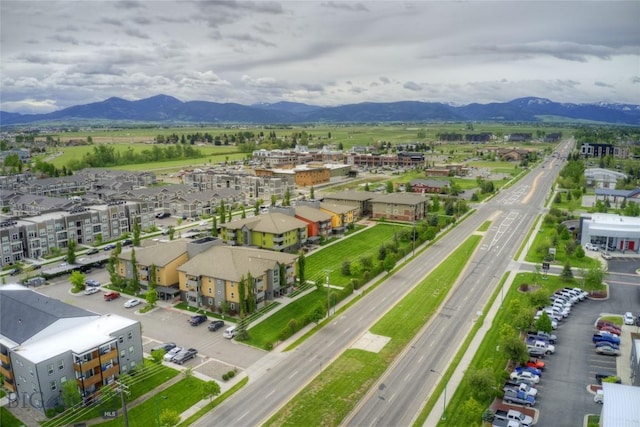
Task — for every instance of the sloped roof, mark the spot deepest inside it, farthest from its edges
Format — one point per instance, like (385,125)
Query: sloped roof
(401,199)
(232,263)
(24,312)
(336,208)
(273,223)
(158,255)
(312,214)
(359,196)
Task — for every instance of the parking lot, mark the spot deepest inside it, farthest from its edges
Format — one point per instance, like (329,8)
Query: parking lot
(563,396)
(216,355)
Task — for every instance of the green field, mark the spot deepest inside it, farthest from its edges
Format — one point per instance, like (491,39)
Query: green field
(356,246)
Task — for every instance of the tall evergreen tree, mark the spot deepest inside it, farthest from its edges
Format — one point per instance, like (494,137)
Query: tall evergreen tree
(136,232)
(152,293)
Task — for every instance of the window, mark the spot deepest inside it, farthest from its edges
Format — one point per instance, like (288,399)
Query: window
(50,369)
(61,364)
(131,349)
(53,386)
(129,335)
(63,380)
(121,339)
(125,368)
(232,295)
(123,353)
(133,365)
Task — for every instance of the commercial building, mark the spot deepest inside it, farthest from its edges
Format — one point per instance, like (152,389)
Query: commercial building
(45,343)
(612,231)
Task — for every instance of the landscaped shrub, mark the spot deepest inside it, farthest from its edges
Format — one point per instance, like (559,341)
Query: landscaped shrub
(231,374)
(225,377)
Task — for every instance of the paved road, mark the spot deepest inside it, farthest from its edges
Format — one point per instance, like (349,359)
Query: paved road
(404,388)
(280,376)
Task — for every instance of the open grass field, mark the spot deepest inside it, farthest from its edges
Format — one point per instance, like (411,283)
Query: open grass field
(332,395)
(545,239)
(358,245)
(8,420)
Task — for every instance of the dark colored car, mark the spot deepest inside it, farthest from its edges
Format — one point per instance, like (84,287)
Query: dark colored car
(638,320)
(92,283)
(163,215)
(166,346)
(197,319)
(215,325)
(127,242)
(109,247)
(185,355)
(92,251)
(601,375)
(15,271)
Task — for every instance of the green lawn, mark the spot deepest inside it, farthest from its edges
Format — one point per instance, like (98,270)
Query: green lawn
(334,393)
(7,419)
(544,238)
(352,248)
(179,397)
(268,331)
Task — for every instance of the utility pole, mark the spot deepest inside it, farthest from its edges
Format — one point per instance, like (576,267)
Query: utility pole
(122,389)
(328,293)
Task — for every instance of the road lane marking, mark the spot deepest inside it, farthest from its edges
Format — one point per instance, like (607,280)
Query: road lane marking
(293,375)
(267,396)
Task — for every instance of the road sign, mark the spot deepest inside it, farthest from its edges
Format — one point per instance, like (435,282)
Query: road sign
(545,266)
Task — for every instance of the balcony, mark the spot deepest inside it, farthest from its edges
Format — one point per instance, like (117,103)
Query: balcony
(9,385)
(278,239)
(113,354)
(5,372)
(114,370)
(4,358)
(84,366)
(193,282)
(94,379)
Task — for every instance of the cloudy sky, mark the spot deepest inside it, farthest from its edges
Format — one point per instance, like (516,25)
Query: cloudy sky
(55,54)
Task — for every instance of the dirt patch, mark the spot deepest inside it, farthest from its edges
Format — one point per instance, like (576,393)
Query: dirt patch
(526,288)
(371,342)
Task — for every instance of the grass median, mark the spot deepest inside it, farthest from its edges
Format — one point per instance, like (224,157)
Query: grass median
(329,398)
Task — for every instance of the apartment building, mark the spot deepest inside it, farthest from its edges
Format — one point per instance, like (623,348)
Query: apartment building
(36,236)
(45,343)
(407,207)
(273,231)
(212,277)
(251,187)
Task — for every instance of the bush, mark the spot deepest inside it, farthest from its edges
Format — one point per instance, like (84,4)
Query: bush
(231,374)
(225,377)
(50,412)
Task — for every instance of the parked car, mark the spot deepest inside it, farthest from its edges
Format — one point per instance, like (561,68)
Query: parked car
(230,332)
(603,323)
(510,385)
(584,294)
(512,414)
(91,291)
(109,247)
(513,396)
(541,335)
(517,376)
(605,255)
(536,352)
(599,396)
(15,271)
(92,251)
(132,303)
(184,356)
(215,325)
(197,319)
(163,215)
(534,371)
(172,353)
(611,330)
(111,295)
(628,318)
(548,348)
(602,336)
(607,350)
(536,363)
(92,283)
(166,346)
(591,247)
(607,343)
(127,242)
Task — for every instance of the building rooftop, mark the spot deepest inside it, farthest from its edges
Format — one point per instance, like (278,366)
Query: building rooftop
(312,214)
(336,208)
(620,408)
(273,223)
(401,199)
(233,263)
(359,196)
(25,313)
(159,255)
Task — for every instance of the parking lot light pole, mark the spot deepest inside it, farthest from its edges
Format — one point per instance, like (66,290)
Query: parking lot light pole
(444,405)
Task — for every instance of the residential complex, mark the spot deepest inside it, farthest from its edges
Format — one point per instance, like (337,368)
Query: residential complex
(273,231)
(45,343)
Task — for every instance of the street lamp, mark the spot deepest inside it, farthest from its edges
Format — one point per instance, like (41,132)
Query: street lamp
(444,406)
(155,402)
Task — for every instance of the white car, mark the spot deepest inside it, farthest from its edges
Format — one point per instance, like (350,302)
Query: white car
(91,291)
(131,303)
(525,375)
(171,353)
(628,318)
(591,247)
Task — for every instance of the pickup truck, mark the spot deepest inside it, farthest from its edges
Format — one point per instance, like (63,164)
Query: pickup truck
(110,296)
(505,423)
(512,414)
(548,348)
(520,386)
(543,336)
(513,396)
(537,352)
(606,337)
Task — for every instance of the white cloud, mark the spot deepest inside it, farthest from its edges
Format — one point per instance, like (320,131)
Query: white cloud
(321,52)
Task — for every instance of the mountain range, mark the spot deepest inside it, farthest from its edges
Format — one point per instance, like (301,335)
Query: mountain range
(165,109)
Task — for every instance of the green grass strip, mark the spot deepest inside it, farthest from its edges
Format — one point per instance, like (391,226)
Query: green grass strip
(7,419)
(485,226)
(329,398)
(217,401)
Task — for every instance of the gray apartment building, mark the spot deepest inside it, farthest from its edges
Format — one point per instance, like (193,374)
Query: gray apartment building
(252,187)
(35,236)
(45,343)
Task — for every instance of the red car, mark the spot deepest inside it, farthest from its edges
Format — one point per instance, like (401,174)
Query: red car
(535,363)
(604,323)
(606,328)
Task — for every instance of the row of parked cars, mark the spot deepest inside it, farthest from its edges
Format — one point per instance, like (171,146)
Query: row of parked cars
(521,386)
(198,319)
(176,354)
